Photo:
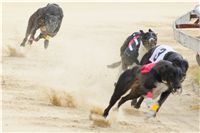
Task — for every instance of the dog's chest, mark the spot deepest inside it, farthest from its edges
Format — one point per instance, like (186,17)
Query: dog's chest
(142,51)
(159,90)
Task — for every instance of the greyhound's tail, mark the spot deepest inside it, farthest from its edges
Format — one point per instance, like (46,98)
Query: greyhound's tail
(114,65)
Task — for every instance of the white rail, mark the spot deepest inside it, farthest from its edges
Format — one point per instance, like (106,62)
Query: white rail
(183,38)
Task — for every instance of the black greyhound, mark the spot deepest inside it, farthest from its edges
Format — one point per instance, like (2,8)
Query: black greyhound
(163,52)
(132,48)
(48,19)
(140,82)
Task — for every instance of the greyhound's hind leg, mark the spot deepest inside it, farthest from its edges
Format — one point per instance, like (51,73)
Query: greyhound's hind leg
(23,42)
(130,96)
(32,38)
(118,92)
(25,38)
(133,102)
(115,97)
(139,102)
(28,30)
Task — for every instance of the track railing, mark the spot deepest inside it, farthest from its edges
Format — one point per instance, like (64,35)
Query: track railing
(182,37)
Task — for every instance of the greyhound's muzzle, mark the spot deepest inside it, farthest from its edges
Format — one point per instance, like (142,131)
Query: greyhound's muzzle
(177,91)
(176,88)
(51,23)
(152,41)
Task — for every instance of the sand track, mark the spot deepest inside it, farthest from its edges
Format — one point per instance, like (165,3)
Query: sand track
(66,87)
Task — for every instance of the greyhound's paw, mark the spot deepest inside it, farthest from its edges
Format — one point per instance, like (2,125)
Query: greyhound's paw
(105,114)
(30,41)
(137,106)
(46,44)
(133,102)
(37,39)
(22,44)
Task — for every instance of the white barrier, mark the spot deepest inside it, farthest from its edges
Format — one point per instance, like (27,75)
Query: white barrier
(186,40)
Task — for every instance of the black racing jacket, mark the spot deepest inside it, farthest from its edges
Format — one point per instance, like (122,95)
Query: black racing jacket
(132,44)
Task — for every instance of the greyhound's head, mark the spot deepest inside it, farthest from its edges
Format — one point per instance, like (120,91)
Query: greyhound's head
(51,23)
(149,39)
(183,65)
(170,74)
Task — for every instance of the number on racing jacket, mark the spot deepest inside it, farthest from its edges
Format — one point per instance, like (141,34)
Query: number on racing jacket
(162,50)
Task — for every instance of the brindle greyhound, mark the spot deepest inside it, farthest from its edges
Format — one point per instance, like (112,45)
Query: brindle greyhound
(163,52)
(140,83)
(135,46)
(48,19)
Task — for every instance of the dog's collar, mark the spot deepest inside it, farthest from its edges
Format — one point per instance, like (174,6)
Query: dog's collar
(156,75)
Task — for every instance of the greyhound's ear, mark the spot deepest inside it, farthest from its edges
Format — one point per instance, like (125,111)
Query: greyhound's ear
(185,64)
(141,31)
(150,30)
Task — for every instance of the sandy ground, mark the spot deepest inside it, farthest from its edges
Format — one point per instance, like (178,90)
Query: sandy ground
(72,72)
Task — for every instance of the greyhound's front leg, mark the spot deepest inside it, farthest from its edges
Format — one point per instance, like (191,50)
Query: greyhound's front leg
(129,96)
(39,37)
(46,41)
(139,102)
(162,99)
